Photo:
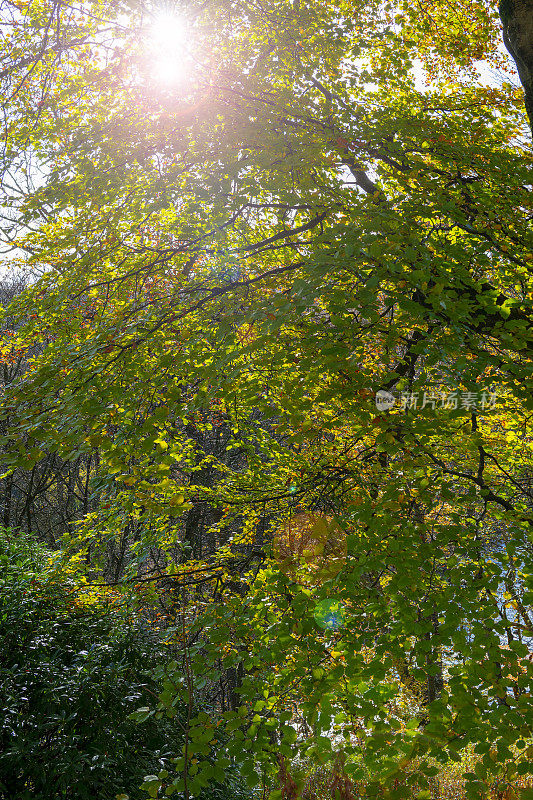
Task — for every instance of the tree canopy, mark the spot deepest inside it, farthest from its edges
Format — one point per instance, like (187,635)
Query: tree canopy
(278,335)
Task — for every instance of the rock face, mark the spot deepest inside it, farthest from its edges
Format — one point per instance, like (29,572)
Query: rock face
(517,20)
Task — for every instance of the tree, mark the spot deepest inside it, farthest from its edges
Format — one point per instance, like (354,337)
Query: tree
(276,242)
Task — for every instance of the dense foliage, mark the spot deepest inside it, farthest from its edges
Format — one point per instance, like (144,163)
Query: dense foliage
(274,367)
(73,669)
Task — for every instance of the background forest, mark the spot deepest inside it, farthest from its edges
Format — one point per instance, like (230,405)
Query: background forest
(266,356)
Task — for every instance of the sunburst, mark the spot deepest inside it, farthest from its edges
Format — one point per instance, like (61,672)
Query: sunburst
(169,44)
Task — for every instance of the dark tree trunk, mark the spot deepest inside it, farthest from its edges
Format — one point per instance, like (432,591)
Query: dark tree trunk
(8,493)
(517,21)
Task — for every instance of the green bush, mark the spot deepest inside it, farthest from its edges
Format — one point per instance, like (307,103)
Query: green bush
(69,679)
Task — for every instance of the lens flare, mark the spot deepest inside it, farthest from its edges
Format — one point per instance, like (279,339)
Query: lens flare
(329,614)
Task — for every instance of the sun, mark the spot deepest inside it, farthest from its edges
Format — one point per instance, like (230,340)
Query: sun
(169,45)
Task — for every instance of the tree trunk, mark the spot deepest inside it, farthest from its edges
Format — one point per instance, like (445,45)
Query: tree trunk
(517,21)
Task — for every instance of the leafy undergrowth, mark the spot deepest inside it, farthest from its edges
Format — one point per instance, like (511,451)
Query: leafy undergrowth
(303,782)
(74,666)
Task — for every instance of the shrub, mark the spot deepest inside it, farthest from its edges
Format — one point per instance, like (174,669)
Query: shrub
(70,676)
